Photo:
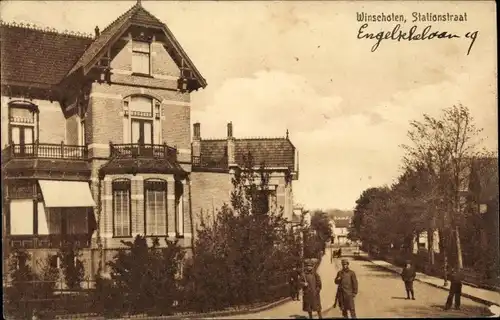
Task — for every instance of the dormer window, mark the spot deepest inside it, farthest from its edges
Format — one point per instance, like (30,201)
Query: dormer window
(141,57)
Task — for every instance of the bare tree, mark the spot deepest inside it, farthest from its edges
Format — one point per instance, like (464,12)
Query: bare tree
(445,147)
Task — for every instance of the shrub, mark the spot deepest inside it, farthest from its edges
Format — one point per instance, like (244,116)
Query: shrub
(71,265)
(28,290)
(143,279)
(244,254)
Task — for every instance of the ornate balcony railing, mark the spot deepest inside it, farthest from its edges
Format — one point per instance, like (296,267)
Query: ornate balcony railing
(208,163)
(136,150)
(46,150)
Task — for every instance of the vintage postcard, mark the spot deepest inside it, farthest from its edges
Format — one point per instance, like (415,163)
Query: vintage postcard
(249,159)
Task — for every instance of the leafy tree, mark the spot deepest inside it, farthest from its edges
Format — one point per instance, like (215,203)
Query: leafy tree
(245,252)
(371,218)
(320,222)
(445,146)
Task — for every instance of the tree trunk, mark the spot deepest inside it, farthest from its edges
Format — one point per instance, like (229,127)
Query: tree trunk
(430,249)
(443,249)
(459,249)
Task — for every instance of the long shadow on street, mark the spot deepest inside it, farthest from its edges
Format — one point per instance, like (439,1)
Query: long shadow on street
(437,311)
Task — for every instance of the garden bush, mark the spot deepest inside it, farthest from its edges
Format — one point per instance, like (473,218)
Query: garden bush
(27,290)
(143,279)
(71,265)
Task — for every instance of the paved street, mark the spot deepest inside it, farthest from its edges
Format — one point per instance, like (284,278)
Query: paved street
(381,294)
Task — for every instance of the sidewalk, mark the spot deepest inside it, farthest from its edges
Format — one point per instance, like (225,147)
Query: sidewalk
(490,298)
(327,271)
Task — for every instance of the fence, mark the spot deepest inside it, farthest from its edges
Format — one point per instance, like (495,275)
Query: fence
(47,297)
(52,298)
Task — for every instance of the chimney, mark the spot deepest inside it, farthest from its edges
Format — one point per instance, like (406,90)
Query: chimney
(96,31)
(196,144)
(230,130)
(230,145)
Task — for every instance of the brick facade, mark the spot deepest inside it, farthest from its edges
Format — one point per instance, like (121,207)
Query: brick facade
(84,92)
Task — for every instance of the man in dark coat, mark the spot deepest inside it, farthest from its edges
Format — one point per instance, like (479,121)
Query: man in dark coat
(408,275)
(294,284)
(311,284)
(455,289)
(347,290)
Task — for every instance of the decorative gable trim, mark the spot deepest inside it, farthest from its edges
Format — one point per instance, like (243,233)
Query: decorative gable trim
(191,78)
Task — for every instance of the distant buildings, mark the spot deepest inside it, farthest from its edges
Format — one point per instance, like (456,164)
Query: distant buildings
(341,229)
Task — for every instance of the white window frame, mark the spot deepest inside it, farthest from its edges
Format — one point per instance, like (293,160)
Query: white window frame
(153,212)
(131,113)
(125,214)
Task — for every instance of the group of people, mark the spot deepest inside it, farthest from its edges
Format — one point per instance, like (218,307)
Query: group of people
(310,283)
(409,274)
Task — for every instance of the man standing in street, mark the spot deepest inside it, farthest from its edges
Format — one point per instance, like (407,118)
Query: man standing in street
(455,289)
(311,283)
(408,275)
(347,290)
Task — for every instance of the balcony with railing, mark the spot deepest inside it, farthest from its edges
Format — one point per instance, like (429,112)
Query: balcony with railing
(45,151)
(148,151)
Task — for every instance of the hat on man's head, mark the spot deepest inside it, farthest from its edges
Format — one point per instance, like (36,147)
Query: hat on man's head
(344,261)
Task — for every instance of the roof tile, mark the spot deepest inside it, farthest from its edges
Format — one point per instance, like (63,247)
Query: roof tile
(38,56)
(272,152)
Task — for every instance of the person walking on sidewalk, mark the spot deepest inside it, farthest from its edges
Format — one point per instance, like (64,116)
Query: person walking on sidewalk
(347,290)
(294,284)
(455,289)
(311,284)
(408,275)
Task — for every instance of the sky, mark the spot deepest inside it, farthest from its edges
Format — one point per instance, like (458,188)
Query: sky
(298,65)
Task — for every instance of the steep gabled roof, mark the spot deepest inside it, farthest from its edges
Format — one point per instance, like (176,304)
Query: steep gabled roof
(38,57)
(136,15)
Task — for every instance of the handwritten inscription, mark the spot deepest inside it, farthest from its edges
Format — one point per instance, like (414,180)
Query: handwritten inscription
(413,34)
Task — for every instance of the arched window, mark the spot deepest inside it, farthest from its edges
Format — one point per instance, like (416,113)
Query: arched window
(142,114)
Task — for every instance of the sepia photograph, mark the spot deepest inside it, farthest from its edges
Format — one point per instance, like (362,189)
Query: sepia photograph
(249,159)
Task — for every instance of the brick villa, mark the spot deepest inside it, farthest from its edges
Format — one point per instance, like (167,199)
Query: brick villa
(97,145)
